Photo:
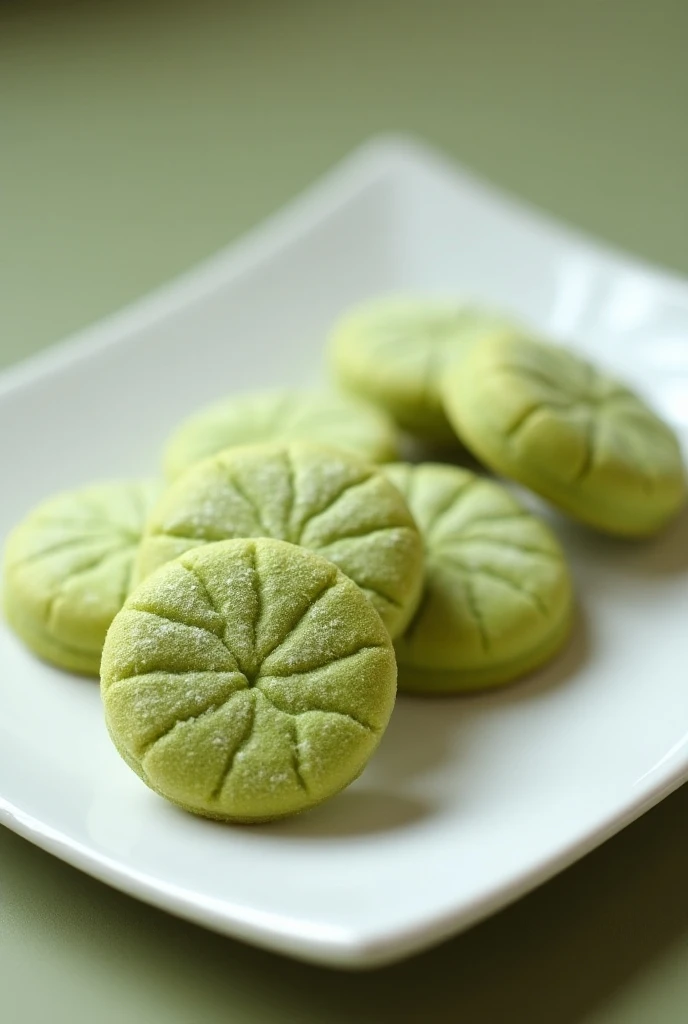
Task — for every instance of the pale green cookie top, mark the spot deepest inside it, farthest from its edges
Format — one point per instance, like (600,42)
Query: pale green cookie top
(318,497)
(247,680)
(265,416)
(548,418)
(497,600)
(395,351)
(67,569)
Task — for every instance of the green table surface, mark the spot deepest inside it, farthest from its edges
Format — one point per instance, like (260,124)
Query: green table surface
(137,137)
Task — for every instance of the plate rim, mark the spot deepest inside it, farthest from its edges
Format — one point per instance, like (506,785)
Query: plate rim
(329,945)
(334,946)
(357,170)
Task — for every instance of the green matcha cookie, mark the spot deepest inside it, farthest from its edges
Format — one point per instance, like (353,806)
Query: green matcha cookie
(546,417)
(247,680)
(266,416)
(318,497)
(67,570)
(394,352)
(497,600)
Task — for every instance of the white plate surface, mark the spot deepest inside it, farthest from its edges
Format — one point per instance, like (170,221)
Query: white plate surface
(468,803)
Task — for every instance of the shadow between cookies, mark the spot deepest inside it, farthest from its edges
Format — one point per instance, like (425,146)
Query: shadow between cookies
(425,729)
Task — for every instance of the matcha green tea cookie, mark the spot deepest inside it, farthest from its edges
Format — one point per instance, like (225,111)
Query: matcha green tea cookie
(67,570)
(394,353)
(318,497)
(546,417)
(266,416)
(497,600)
(247,680)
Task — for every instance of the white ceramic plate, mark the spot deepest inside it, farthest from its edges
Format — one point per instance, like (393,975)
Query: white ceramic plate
(468,803)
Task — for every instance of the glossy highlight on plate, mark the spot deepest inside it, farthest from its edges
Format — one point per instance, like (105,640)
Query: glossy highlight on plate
(478,791)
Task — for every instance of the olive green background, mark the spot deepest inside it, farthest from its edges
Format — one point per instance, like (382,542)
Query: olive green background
(136,138)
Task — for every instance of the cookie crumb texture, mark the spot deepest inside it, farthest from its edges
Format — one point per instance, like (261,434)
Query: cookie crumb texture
(320,498)
(265,416)
(248,680)
(498,599)
(546,417)
(68,569)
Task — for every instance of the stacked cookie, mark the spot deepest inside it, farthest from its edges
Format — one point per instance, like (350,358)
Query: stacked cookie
(248,618)
(497,599)
(248,671)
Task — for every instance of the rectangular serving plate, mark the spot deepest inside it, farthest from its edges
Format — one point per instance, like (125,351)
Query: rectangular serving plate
(469,803)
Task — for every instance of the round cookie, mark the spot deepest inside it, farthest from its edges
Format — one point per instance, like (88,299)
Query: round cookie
(318,497)
(549,419)
(67,570)
(394,352)
(247,680)
(497,600)
(266,416)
